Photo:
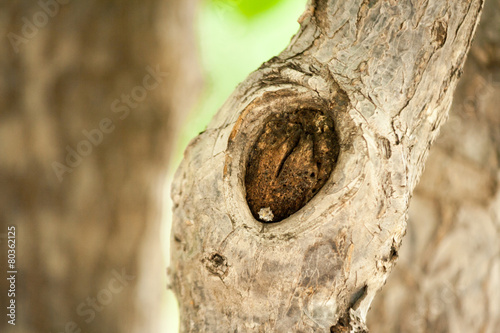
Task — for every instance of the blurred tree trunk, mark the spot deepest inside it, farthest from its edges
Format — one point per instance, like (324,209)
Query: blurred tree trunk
(91,94)
(382,74)
(448,276)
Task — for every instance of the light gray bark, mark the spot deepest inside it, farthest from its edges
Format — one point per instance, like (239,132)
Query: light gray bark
(448,275)
(385,71)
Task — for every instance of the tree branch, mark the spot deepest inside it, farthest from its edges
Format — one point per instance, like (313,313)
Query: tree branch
(384,71)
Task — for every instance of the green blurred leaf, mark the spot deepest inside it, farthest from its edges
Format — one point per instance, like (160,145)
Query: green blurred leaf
(248,8)
(251,8)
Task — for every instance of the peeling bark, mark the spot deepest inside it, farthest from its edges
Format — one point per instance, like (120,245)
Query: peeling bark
(384,72)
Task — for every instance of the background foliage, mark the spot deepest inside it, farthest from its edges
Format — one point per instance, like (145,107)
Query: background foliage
(235,38)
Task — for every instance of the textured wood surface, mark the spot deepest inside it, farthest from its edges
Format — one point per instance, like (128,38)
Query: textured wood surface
(448,276)
(291,160)
(385,72)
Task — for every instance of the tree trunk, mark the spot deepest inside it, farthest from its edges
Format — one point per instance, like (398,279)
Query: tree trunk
(265,236)
(91,93)
(448,276)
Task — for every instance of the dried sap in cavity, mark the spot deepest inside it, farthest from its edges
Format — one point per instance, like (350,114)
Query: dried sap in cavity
(291,160)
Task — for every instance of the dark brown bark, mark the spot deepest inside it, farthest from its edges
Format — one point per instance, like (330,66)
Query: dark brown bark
(289,163)
(90,96)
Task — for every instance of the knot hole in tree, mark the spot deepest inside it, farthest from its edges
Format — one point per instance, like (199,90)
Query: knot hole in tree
(289,163)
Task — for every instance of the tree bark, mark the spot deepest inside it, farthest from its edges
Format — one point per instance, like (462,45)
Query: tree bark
(91,93)
(448,276)
(384,72)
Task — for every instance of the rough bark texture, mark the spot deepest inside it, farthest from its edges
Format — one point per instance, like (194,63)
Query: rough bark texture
(71,68)
(448,276)
(384,71)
